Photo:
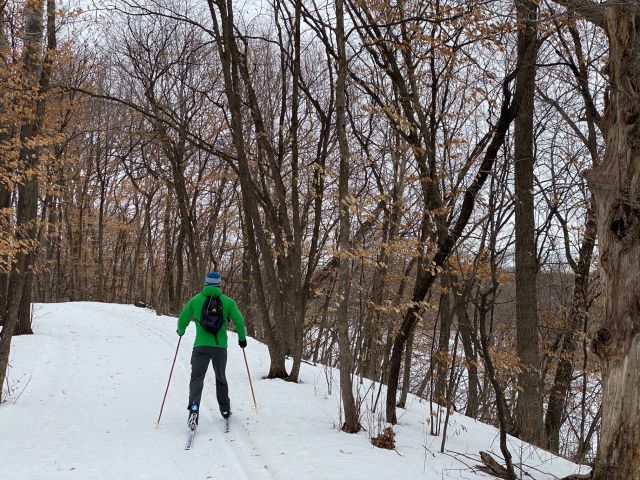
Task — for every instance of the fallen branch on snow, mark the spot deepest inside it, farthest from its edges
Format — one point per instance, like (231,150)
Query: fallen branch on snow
(492,467)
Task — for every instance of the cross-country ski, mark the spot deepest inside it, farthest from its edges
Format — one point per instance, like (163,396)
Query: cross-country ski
(191,436)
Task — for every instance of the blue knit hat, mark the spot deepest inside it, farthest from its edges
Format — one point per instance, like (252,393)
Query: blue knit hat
(213,279)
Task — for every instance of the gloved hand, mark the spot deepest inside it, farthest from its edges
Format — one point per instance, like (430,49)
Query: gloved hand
(242,343)
(179,333)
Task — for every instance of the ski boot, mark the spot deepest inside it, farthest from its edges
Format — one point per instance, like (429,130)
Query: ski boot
(192,421)
(226,416)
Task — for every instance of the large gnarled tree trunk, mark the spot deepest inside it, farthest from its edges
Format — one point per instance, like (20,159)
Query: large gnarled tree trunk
(615,184)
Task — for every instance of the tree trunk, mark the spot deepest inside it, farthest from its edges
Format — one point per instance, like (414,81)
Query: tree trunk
(27,210)
(501,405)
(24,310)
(564,370)
(351,420)
(297,297)
(615,185)
(167,295)
(102,177)
(254,326)
(231,61)
(406,372)
(461,298)
(425,279)
(5,203)
(194,256)
(5,192)
(529,406)
(442,355)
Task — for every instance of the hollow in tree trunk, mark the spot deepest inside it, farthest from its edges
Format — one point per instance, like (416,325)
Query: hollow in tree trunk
(615,185)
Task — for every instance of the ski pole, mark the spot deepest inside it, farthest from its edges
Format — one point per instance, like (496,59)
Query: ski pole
(169,381)
(250,383)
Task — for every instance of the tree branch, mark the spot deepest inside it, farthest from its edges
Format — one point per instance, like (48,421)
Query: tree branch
(590,11)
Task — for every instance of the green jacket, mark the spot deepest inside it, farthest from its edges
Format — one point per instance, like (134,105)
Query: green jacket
(193,309)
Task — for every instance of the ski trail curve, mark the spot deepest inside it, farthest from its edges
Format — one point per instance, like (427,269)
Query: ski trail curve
(228,455)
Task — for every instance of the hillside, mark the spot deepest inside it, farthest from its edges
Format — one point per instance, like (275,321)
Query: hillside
(86,391)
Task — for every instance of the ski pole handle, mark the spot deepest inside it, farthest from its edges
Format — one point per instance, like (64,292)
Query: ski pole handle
(169,381)
(249,375)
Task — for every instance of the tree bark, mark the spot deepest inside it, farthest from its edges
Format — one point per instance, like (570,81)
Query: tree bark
(5,193)
(564,370)
(5,203)
(529,406)
(501,405)
(351,420)
(103,180)
(442,355)
(406,372)
(615,185)
(297,298)
(461,299)
(36,73)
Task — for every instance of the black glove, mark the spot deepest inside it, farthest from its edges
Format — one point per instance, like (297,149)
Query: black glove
(242,343)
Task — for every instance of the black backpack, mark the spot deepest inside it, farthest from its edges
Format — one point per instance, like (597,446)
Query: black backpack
(211,318)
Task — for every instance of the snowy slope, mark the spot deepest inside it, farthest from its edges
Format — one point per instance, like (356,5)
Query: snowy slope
(89,386)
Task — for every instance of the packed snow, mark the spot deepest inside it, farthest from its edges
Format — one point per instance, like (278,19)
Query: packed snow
(86,389)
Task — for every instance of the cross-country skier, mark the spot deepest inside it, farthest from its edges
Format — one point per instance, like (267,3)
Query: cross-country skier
(204,309)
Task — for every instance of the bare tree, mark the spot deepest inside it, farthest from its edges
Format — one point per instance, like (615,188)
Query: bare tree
(529,407)
(37,72)
(351,422)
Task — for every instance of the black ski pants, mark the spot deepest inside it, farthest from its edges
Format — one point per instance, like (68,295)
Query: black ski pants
(200,359)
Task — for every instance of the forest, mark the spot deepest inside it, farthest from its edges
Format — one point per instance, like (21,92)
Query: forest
(440,196)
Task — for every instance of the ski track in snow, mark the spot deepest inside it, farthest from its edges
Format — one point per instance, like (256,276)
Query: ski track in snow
(211,425)
(71,427)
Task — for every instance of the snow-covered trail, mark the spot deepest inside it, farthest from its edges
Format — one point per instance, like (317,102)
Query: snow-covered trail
(87,389)
(91,405)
